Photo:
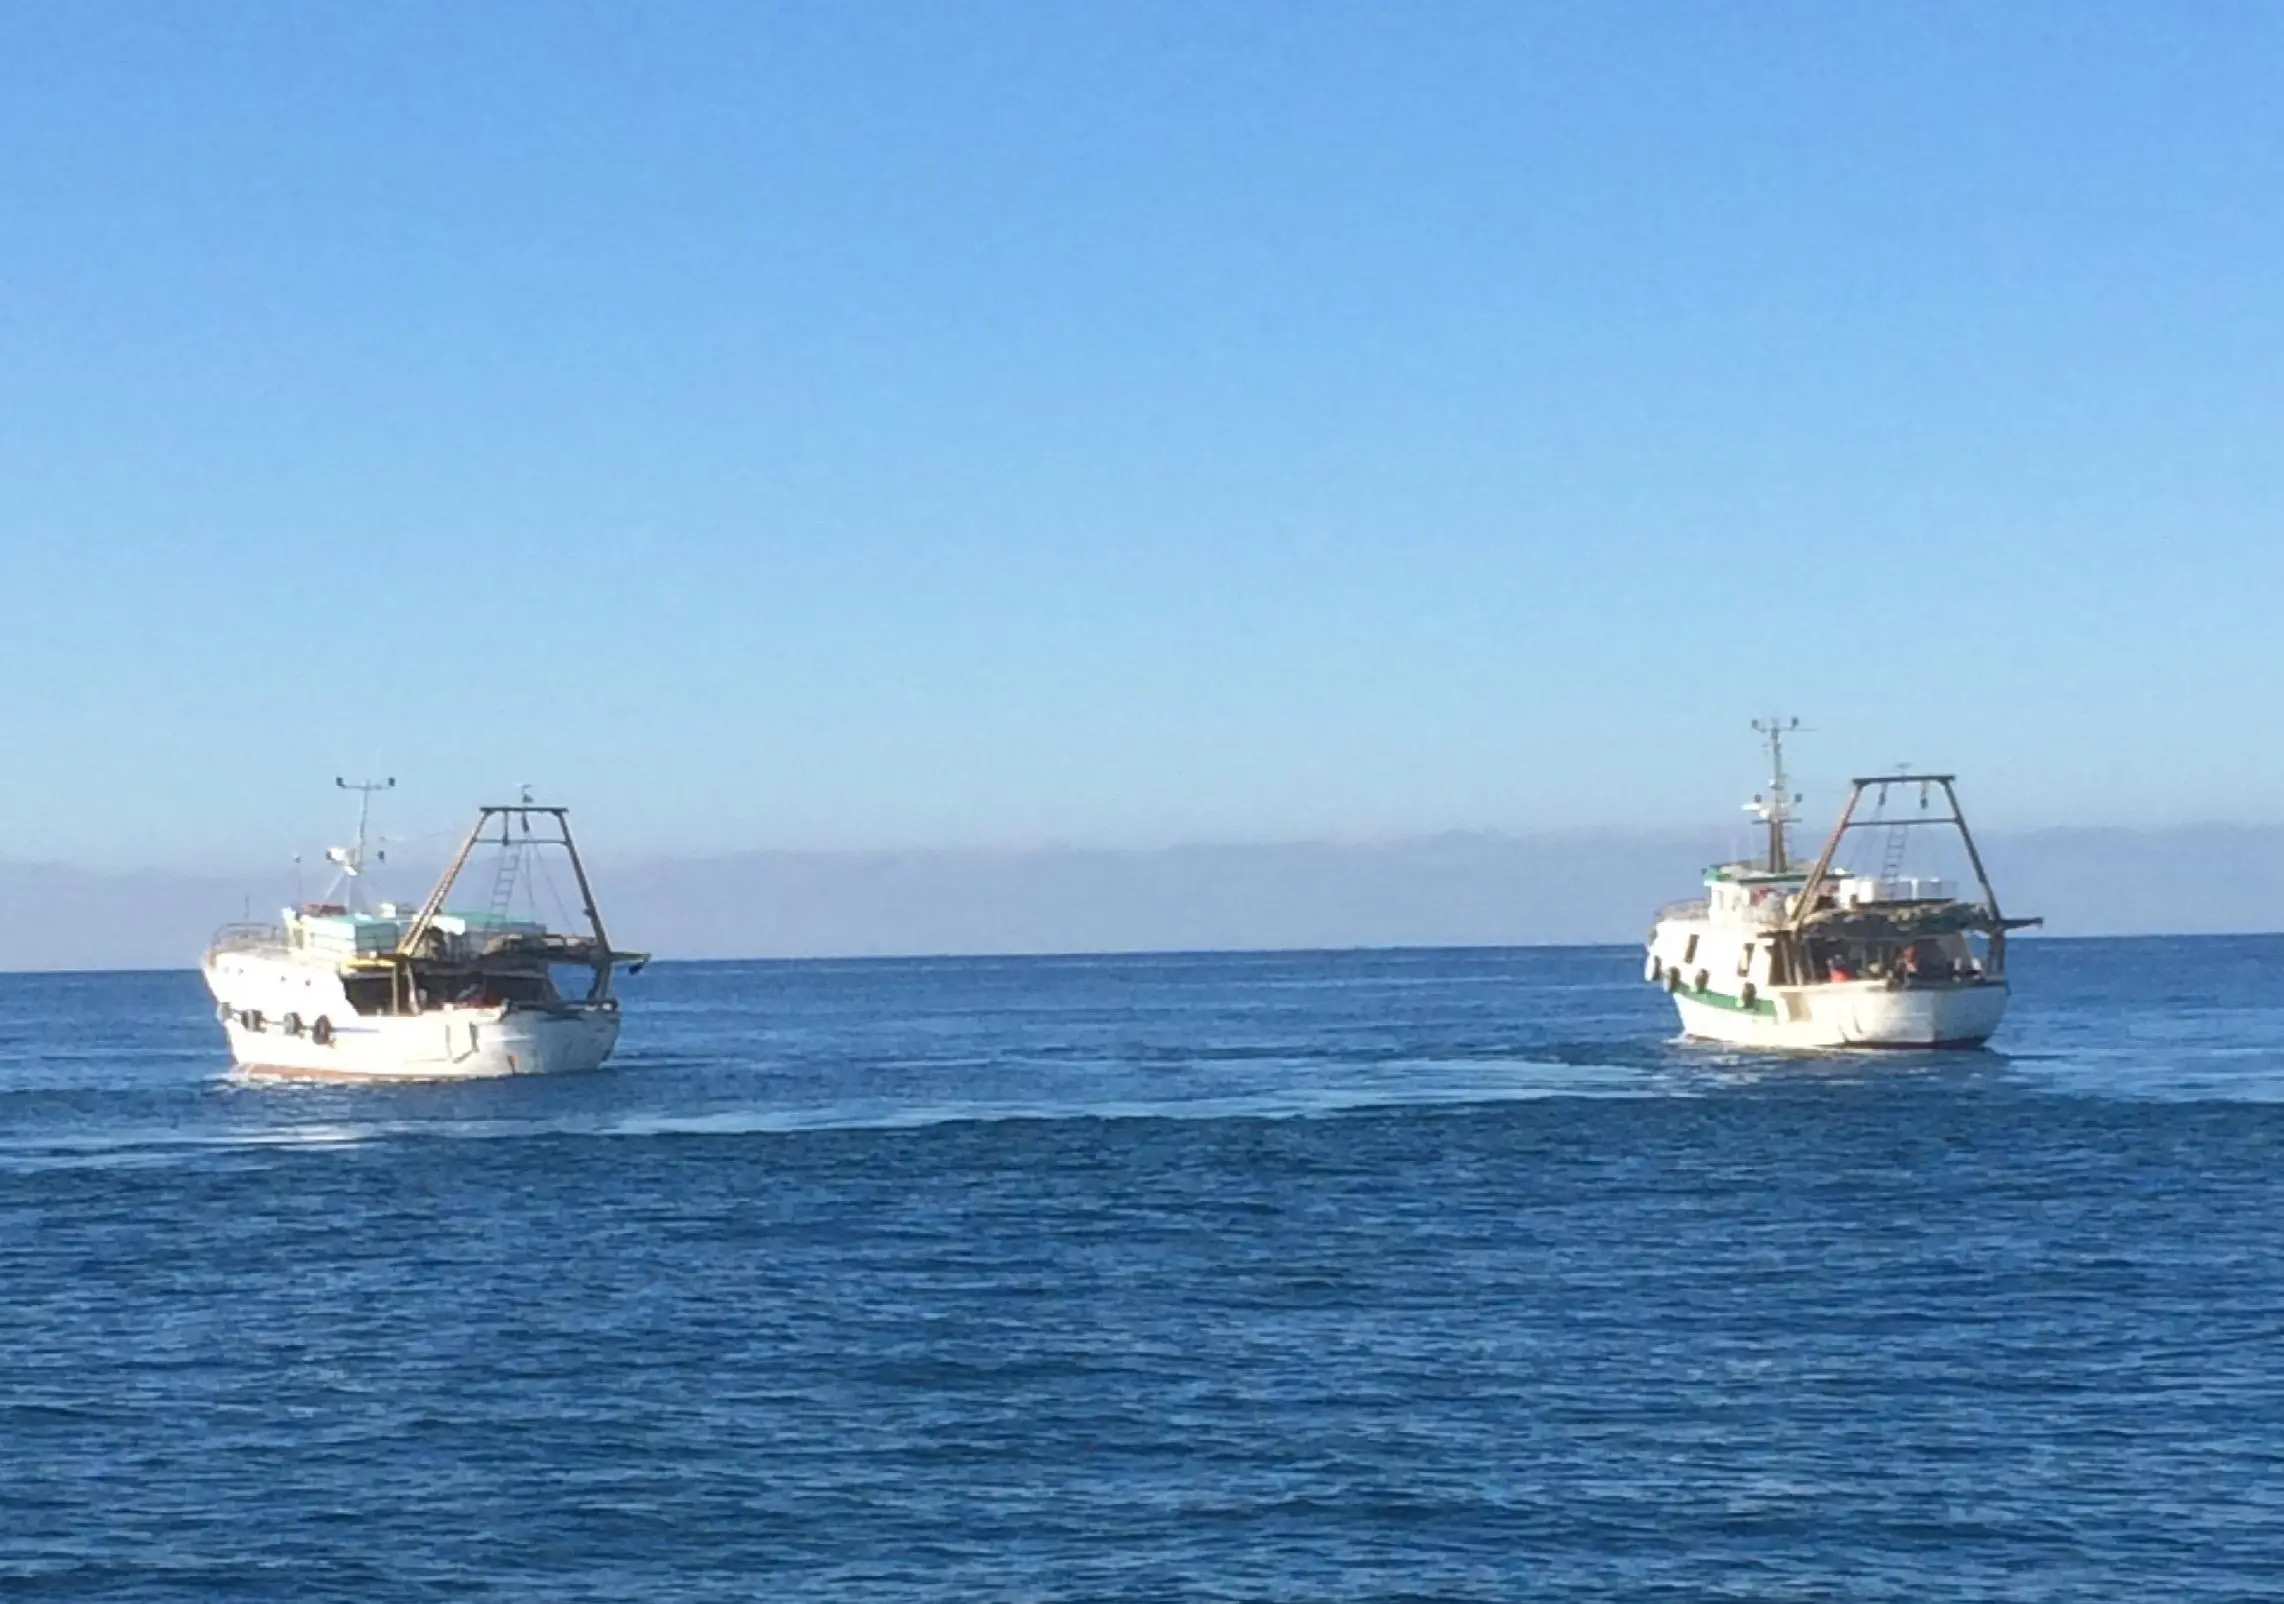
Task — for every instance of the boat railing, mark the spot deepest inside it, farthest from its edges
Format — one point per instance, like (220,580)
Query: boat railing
(247,938)
(1687,908)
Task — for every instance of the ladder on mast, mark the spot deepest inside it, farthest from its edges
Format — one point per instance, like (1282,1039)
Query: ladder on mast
(504,878)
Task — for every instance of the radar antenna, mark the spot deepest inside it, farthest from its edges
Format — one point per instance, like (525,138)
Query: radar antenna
(1775,807)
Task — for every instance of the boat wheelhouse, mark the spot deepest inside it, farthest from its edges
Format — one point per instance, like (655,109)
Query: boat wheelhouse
(344,991)
(1774,955)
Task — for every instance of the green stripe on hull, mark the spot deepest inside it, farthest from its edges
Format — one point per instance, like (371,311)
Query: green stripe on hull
(1735,1005)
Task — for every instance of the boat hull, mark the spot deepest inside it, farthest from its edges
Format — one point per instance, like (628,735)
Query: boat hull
(295,1021)
(446,1044)
(1843,1014)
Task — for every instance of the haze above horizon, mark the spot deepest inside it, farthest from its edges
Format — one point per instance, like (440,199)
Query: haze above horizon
(879,426)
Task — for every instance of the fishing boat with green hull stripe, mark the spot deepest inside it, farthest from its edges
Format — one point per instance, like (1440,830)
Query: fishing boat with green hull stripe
(1780,955)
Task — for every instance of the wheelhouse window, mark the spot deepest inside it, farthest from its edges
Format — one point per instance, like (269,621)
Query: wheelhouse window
(1689,953)
(1745,960)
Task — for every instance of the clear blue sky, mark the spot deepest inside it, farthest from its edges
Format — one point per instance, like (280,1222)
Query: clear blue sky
(860,425)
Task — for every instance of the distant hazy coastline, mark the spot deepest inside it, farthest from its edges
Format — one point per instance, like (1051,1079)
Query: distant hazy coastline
(1452,890)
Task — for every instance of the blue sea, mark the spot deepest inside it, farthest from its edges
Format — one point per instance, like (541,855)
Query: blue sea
(1319,1276)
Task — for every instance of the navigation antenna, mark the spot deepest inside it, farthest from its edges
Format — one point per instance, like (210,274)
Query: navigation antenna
(350,860)
(1775,808)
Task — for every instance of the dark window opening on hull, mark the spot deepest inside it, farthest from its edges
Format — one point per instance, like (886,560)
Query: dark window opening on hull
(1927,961)
(382,994)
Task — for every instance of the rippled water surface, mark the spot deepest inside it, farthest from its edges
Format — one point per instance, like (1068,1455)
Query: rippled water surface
(1398,1275)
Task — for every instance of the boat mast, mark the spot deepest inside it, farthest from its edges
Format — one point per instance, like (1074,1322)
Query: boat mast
(1775,809)
(350,860)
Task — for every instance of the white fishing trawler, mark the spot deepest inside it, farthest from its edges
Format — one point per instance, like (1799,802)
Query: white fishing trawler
(1778,956)
(342,990)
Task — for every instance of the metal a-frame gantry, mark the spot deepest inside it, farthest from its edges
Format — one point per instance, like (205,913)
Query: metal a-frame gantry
(1985,916)
(515,820)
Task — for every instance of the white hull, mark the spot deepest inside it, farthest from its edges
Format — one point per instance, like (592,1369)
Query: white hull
(1718,972)
(447,1044)
(1866,1013)
(289,1019)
